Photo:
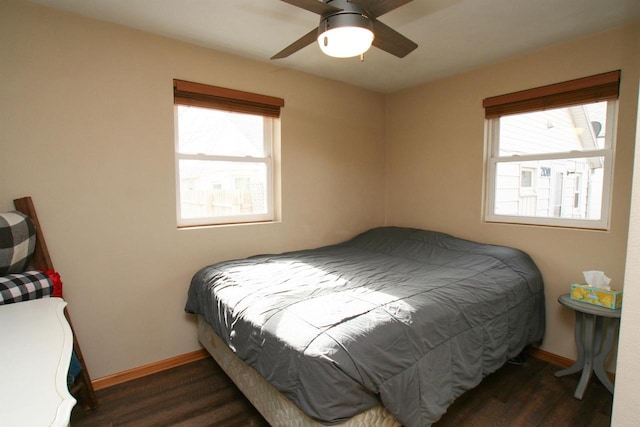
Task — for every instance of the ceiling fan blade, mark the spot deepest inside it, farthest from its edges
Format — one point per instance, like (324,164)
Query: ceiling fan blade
(380,7)
(391,41)
(303,41)
(314,6)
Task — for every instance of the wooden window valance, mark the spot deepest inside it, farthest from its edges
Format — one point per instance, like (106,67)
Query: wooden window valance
(201,95)
(600,87)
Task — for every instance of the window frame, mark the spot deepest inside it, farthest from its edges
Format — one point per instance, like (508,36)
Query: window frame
(539,99)
(191,94)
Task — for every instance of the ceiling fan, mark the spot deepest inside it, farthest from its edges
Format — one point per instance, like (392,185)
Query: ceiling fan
(349,27)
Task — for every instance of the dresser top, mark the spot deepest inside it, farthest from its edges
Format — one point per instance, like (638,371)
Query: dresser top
(35,351)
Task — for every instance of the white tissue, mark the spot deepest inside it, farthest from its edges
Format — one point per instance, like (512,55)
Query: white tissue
(597,279)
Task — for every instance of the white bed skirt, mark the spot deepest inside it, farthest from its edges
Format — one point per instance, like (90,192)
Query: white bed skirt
(274,407)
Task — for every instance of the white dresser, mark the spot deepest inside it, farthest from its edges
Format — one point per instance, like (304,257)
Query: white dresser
(35,350)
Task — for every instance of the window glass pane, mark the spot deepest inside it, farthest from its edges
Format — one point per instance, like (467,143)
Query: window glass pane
(558,188)
(220,133)
(577,128)
(526,178)
(217,189)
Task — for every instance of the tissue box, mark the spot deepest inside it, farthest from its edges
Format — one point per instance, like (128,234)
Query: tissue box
(602,297)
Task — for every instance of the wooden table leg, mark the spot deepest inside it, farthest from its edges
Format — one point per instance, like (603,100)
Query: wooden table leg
(598,364)
(587,344)
(579,364)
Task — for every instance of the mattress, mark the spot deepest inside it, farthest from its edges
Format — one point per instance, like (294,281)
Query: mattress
(274,407)
(404,317)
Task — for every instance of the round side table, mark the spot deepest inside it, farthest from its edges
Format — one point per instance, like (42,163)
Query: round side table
(594,342)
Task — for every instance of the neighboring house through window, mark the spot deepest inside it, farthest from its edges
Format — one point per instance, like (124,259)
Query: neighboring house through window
(550,153)
(224,145)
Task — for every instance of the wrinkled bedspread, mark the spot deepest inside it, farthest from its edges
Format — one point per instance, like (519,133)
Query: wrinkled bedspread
(408,317)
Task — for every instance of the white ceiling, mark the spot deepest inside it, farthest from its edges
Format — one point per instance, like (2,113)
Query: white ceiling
(452,35)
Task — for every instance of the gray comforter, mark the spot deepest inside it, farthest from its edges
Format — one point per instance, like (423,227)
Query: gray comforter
(408,317)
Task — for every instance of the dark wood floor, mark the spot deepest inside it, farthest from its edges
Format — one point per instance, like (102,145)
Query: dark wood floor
(200,394)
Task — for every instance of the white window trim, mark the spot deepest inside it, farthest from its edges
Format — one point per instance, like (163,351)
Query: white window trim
(492,130)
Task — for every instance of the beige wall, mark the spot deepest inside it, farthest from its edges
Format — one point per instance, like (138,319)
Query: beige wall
(627,393)
(86,122)
(435,143)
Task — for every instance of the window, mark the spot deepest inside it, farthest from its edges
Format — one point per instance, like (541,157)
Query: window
(224,147)
(550,153)
(526,178)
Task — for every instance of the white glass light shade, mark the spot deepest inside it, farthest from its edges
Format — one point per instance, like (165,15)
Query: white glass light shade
(345,42)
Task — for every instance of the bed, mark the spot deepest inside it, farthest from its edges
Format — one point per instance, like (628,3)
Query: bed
(396,322)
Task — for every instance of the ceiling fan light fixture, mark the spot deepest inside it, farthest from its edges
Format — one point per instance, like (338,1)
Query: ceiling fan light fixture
(345,34)
(359,17)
